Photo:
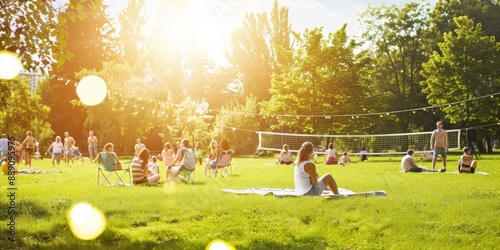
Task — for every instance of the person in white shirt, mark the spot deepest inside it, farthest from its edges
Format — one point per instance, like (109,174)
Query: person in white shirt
(138,147)
(330,155)
(4,145)
(57,148)
(307,181)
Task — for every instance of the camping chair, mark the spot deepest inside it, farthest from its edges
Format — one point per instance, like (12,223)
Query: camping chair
(188,173)
(111,173)
(223,165)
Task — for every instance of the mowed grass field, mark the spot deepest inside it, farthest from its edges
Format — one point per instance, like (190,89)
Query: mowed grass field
(421,211)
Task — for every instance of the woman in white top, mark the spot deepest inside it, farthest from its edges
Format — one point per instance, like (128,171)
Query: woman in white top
(285,156)
(57,148)
(306,177)
(330,155)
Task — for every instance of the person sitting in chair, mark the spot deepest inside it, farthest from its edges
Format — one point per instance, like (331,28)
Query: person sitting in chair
(285,156)
(408,164)
(173,172)
(466,164)
(213,157)
(140,171)
(109,149)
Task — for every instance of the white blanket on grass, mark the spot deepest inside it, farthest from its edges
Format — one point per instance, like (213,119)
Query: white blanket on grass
(287,192)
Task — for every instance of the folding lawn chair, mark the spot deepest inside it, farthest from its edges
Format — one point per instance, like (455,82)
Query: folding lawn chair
(187,174)
(111,173)
(223,166)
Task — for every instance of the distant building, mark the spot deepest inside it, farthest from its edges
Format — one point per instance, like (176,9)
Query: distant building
(33,79)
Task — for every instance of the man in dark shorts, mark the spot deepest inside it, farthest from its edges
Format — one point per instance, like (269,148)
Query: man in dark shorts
(408,164)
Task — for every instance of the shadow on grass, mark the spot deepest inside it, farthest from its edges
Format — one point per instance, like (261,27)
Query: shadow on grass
(303,243)
(24,208)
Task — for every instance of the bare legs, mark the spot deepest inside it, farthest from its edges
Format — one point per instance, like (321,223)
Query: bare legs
(27,160)
(328,180)
(434,161)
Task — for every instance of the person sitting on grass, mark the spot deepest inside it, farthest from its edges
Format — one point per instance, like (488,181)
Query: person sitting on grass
(307,181)
(153,166)
(363,154)
(466,164)
(140,171)
(344,159)
(285,156)
(330,155)
(408,164)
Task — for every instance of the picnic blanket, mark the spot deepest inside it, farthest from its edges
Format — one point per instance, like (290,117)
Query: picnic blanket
(287,192)
(456,172)
(447,172)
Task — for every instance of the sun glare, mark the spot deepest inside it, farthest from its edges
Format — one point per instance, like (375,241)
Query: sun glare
(86,222)
(10,66)
(197,24)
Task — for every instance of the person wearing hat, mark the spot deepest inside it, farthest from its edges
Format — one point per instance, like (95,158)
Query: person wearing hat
(466,164)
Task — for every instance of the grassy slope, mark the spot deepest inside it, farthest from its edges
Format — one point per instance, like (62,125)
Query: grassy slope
(428,210)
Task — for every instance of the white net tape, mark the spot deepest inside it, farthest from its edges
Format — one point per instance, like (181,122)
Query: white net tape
(376,144)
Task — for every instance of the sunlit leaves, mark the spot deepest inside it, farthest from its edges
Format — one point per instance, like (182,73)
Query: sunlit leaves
(468,67)
(25,27)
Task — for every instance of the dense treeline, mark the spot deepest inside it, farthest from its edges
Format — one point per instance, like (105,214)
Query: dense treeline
(432,62)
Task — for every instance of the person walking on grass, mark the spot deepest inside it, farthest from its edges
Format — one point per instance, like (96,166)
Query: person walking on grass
(439,144)
(57,148)
(307,181)
(69,145)
(92,142)
(30,146)
(408,164)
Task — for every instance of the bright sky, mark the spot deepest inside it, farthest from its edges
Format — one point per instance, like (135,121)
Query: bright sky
(214,19)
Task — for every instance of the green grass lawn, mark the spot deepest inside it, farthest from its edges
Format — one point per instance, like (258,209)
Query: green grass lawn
(421,211)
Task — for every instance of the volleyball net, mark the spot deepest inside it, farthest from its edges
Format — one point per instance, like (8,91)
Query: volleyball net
(377,144)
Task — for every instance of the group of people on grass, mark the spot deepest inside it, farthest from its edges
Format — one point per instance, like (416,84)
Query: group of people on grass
(439,147)
(145,168)
(286,157)
(26,149)
(308,182)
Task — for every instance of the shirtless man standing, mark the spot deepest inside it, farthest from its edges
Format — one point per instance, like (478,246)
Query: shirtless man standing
(439,144)
(69,144)
(92,141)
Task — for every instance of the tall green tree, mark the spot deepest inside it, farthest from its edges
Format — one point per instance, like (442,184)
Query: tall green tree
(257,48)
(128,113)
(467,68)
(24,111)
(321,85)
(237,123)
(90,43)
(485,12)
(168,47)
(131,40)
(400,44)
